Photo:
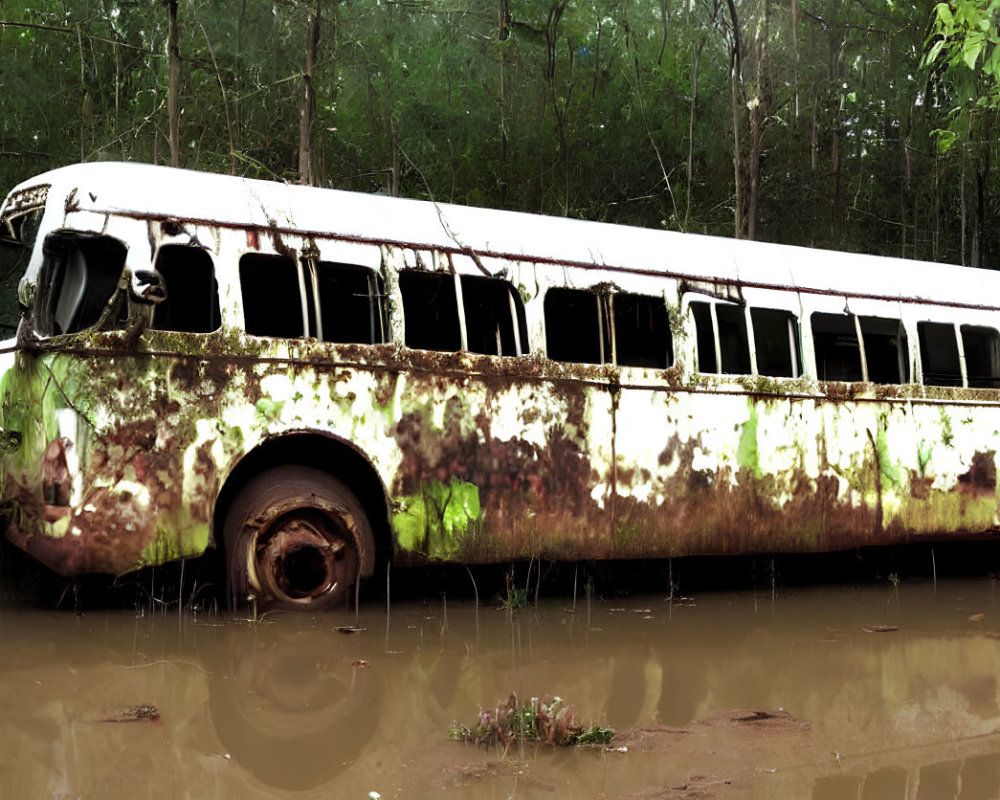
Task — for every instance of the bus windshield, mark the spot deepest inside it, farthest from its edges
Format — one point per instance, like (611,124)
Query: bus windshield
(18,230)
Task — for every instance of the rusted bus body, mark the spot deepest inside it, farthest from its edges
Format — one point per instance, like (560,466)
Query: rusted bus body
(132,433)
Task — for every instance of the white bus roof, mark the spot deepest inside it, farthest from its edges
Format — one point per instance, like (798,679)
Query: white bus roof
(150,191)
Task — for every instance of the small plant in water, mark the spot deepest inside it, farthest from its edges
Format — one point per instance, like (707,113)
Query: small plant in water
(549,721)
(894,594)
(516,597)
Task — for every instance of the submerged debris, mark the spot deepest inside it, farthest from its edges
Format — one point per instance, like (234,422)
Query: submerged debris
(146,712)
(348,629)
(879,628)
(550,721)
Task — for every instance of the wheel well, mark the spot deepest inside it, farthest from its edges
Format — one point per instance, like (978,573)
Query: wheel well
(326,453)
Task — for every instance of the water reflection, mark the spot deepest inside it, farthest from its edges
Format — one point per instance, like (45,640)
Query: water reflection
(867,695)
(288,706)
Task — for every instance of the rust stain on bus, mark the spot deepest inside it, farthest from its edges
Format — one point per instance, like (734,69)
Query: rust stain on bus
(534,491)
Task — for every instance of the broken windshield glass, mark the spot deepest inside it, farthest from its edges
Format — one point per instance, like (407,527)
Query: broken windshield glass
(79,277)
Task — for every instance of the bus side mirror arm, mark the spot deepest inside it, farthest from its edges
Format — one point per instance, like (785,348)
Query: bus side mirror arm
(148,286)
(146,289)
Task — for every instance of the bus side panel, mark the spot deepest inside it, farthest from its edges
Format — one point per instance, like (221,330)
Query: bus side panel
(499,469)
(479,465)
(741,473)
(141,429)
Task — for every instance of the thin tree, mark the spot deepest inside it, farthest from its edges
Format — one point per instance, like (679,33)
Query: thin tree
(736,91)
(308,112)
(173,89)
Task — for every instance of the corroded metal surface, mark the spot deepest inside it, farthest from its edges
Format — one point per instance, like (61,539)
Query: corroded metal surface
(122,442)
(497,465)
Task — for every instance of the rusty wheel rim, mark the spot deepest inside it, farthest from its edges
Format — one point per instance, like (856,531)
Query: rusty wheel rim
(305,557)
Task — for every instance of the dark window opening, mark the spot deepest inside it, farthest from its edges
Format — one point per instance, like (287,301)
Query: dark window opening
(351,304)
(192,303)
(574,330)
(939,354)
(886,352)
(80,276)
(835,341)
(272,296)
(776,342)
(702,313)
(430,310)
(642,332)
(982,356)
(734,348)
(491,306)
(733,342)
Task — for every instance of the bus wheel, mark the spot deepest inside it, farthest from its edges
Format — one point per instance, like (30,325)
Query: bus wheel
(296,538)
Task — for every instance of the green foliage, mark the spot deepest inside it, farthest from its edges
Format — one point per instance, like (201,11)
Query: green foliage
(549,721)
(437,521)
(962,51)
(963,31)
(616,110)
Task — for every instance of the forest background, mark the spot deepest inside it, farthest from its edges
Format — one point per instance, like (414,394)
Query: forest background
(859,125)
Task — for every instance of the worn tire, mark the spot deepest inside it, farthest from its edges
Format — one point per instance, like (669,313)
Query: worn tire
(297,538)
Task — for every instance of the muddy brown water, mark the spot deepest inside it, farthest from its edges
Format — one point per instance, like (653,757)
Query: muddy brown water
(873,692)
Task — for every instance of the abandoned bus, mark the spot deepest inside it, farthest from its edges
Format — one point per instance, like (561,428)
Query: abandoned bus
(311,379)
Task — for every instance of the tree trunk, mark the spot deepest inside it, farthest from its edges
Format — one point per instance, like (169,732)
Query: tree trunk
(978,219)
(694,106)
(936,238)
(760,109)
(735,67)
(238,76)
(835,175)
(173,89)
(84,108)
(394,185)
(306,174)
(963,211)
(814,144)
(502,35)
(551,32)
(597,58)
(795,53)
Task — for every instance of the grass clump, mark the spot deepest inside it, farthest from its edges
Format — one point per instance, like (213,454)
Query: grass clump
(516,598)
(549,721)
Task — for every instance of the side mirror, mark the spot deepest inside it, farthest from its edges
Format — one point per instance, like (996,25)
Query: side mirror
(148,286)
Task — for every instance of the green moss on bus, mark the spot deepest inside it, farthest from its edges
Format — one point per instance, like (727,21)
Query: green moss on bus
(748,452)
(437,521)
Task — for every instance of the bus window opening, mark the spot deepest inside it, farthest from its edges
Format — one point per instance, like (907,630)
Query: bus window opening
(574,328)
(939,354)
(835,342)
(886,352)
(776,342)
(272,296)
(351,303)
(982,356)
(492,309)
(642,332)
(430,311)
(192,304)
(732,347)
